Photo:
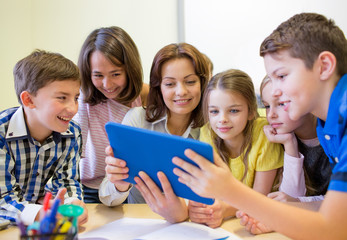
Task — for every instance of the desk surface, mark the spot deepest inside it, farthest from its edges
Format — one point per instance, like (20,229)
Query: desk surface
(100,214)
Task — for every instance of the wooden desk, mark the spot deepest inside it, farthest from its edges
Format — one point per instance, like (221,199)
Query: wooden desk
(100,214)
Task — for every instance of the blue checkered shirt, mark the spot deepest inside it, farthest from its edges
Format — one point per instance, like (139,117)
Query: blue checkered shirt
(26,166)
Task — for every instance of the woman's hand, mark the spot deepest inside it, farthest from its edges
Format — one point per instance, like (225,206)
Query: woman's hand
(211,215)
(166,203)
(116,171)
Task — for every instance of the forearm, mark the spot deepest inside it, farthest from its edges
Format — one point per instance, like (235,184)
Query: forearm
(293,182)
(291,221)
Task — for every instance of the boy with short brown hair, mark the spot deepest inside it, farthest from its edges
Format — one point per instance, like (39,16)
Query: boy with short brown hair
(39,141)
(305,57)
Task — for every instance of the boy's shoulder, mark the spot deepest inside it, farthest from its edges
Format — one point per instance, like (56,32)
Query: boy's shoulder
(7,114)
(5,117)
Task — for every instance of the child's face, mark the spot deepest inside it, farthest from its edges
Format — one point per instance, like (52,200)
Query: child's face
(53,107)
(180,86)
(228,114)
(291,78)
(275,114)
(107,77)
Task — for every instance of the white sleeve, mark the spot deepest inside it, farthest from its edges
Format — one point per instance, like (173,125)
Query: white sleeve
(293,182)
(135,117)
(311,198)
(29,213)
(109,195)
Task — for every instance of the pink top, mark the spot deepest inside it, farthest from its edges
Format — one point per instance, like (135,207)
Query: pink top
(293,181)
(92,120)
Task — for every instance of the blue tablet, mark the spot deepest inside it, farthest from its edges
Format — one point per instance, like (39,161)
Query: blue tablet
(152,151)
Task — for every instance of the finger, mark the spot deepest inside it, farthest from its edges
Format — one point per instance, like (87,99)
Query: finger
(151,186)
(240,214)
(255,230)
(112,169)
(218,161)
(146,193)
(196,204)
(198,159)
(198,210)
(166,186)
(272,195)
(244,220)
(60,195)
(109,151)
(112,161)
(184,177)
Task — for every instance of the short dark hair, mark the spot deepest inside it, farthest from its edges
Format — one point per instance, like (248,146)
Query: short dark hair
(305,36)
(156,107)
(41,68)
(119,48)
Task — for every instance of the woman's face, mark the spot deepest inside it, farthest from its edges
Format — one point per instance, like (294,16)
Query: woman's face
(107,77)
(180,86)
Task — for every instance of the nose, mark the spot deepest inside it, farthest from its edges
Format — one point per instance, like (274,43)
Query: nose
(72,107)
(106,83)
(272,113)
(276,91)
(181,89)
(222,118)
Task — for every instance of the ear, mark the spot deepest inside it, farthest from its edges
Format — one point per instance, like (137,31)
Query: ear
(27,99)
(327,62)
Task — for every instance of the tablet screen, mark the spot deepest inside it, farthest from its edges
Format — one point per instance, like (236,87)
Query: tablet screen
(152,151)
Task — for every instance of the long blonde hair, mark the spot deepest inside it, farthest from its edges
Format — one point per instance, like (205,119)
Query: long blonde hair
(239,82)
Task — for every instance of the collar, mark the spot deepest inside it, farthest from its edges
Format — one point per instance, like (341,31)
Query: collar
(190,132)
(18,129)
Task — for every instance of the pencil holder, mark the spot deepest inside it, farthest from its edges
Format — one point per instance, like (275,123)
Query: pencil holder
(52,236)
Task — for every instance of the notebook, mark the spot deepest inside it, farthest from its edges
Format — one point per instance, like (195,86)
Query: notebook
(152,151)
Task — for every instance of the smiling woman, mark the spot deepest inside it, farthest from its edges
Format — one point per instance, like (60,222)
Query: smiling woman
(178,79)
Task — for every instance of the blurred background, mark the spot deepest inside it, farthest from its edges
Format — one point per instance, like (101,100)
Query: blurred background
(228,31)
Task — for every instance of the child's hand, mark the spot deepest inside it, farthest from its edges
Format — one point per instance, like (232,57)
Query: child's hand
(116,170)
(166,203)
(210,180)
(288,140)
(273,136)
(60,195)
(211,215)
(84,217)
(252,225)
(282,197)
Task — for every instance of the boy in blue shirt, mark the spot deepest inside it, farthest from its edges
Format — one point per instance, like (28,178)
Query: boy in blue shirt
(40,146)
(306,58)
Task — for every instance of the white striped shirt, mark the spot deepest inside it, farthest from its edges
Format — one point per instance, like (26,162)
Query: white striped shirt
(92,120)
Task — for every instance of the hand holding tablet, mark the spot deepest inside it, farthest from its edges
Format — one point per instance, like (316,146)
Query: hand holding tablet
(150,151)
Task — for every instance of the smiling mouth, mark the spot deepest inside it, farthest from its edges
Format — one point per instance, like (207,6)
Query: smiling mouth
(112,91)
(182,100)
(64,119)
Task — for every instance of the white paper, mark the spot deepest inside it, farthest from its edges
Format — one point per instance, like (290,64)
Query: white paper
(137,228)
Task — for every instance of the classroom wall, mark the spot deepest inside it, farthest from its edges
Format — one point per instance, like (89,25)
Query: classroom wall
(230,31)
(62,26)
